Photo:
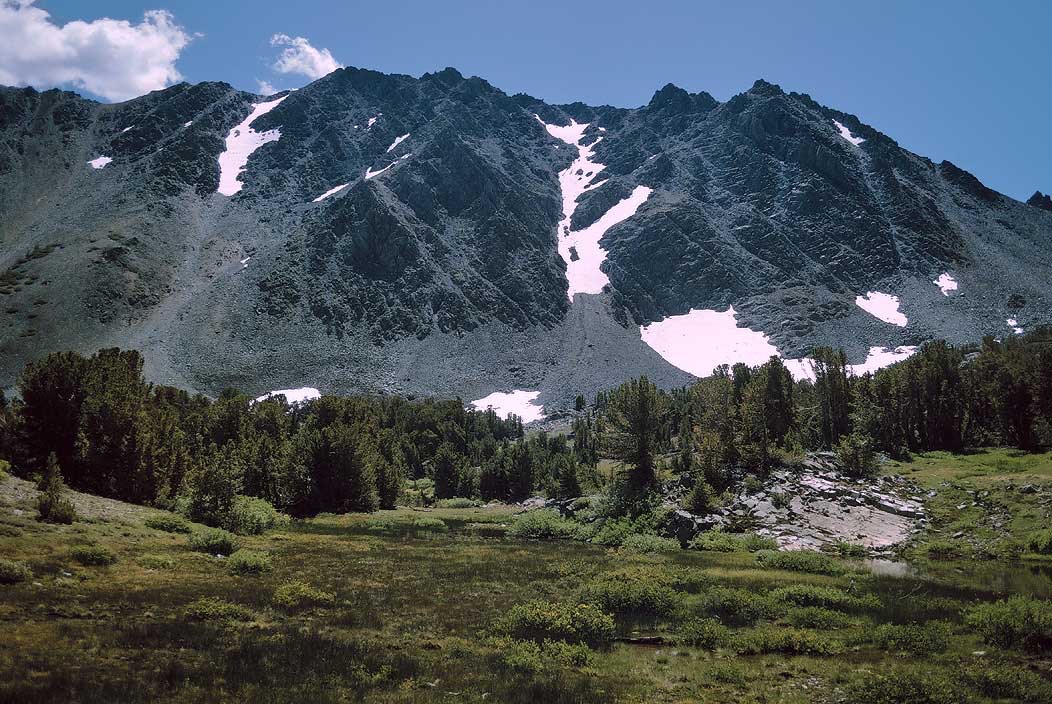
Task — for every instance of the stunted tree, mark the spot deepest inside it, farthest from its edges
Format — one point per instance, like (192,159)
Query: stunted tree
(635,415)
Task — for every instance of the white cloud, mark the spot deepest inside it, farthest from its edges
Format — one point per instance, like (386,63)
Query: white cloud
(265,88)
(299,56)
(114,59)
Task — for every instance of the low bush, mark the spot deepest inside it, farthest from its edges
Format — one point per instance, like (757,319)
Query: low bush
(707,633)
(541,621)
(53,508)
(1040,542)
(168,522)
(253,516)
(612,532)
(718,541)
(740,607)
(809,561)
(905,685)
(1002,680)
(215,610)
(543,525)
(1006,549)
(790,641)
(1017,622)
(828,597)
(214,541)
(843,549)
(646,544)
(92,555)
(820,618)
(5,469)
(249,562)
(917,639)
(156,562)
(426,523)
(458,502)
(296,595)
(528,658)
(631,593)
(12,572)
(946,550)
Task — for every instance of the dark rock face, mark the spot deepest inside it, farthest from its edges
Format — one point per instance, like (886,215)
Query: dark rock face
(436,270)
(1040,200)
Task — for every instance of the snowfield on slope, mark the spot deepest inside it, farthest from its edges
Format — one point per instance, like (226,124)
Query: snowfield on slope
(293,396)
(330,192)
(883,306)
(946,283)
(846,134)
(701,340)
(521,403)
(241,142)
(100,162)
(583,272)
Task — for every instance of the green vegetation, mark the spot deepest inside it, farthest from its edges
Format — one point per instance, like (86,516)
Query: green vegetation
(801,561)
(12,572)
(542,621)
(214,541)
(168,522)
(216,610)
(719,541)
(295,595)
(1017,622)
(92,555)
(249,562)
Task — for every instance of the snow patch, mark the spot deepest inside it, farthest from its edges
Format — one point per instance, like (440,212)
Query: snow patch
(126,129)
(1014,324)
(521,403)
(883,306)
(369,173)
(846,134)
(241,143)
(372,120)
(100,162)
(583,274)
(293,396)
(946,283)
(398,140)
(187,124)
(701,340)
(244,262)
(880,357)
(332,191)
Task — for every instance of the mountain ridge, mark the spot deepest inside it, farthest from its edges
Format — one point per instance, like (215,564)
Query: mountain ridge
(398,223)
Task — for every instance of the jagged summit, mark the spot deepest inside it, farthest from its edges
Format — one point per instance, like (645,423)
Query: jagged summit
(1040,200)
(435,235)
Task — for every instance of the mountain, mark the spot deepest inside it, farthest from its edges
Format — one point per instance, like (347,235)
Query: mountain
(435,235)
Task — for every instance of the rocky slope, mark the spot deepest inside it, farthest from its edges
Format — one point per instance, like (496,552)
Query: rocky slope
(415,235)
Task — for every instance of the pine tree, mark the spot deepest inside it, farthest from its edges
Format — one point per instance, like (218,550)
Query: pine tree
(635,415)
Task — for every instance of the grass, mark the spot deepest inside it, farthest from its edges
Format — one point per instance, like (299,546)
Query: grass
(408,615)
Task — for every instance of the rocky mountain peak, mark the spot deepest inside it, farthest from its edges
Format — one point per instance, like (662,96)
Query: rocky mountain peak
(1040,200)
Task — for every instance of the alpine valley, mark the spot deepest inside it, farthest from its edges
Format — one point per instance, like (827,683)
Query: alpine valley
(436,236)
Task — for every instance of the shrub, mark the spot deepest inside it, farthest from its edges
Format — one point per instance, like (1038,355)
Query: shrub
(718,541)
(630,593)
(214,541)
(213,609)
(529,658)
(791,641)
(1018,622)
(856,455)
(780,500)
(249,515)
(168,522)
(156,562)
(809,561)
(820,618)
(543,525)
(740,607)
(752,485)
(1040,542)
(430,524)
(458,502)
(297,595)
(539,621)
(644,544)
(5,468)
(918,639)
(12,572)
(92,555)
(828,597)
(707,633)
(1006,549)
(248,562)
(1000,680)
(613,532)
(52,506)
(902,685)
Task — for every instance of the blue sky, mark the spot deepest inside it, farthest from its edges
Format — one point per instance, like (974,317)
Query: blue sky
(966,81)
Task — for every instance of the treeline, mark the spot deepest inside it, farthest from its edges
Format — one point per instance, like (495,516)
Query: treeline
(114,434)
